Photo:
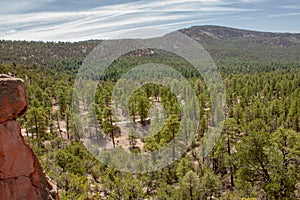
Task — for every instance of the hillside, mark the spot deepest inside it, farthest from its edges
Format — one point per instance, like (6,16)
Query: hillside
(221,32)
(225,45)
(237,45)
(256,157)
(61,56)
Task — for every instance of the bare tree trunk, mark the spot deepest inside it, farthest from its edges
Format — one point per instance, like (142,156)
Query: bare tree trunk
(58,125)
(67,125)
(112,132)
(231,167)
(113,139)
(173,145)
(36,127)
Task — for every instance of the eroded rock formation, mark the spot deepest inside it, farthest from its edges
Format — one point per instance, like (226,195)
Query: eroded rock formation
(21,175)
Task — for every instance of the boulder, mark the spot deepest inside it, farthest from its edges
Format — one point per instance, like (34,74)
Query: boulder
(13,100)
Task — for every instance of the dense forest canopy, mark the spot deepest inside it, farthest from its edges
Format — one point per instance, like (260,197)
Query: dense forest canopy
(256,157)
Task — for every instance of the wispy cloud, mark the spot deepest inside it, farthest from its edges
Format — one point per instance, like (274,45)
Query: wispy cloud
(297,6)
(284,15)
(252,1)
(16,6)
(243,18)
(81,21)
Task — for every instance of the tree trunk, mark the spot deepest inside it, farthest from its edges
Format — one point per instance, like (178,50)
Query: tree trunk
(67,125)
(231,167)
(173,145)
(36,127)
(58,125)
(112,132)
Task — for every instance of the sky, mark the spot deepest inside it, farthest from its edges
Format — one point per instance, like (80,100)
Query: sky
(77,20)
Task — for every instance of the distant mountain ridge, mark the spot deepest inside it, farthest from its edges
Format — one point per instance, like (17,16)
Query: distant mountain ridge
(222,32)
(225,45)
(238,45)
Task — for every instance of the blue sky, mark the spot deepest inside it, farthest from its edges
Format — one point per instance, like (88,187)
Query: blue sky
(75,20)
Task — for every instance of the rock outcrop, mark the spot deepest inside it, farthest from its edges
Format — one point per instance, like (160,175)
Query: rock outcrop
(21,175)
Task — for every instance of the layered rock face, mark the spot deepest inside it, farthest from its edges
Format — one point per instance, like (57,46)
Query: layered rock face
(21,175)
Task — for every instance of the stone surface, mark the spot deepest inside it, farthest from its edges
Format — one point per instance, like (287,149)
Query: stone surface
(21,175)
(13,100)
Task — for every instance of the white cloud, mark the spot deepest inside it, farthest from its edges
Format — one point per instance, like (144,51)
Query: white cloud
(243,18)
(17,6)
(107,21)
(252,1)
(284,15)
(291,6)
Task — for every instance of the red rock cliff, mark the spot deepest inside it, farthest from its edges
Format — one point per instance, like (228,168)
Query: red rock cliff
(21,175)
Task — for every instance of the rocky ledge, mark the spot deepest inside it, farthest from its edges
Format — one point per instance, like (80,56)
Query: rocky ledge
(21,175)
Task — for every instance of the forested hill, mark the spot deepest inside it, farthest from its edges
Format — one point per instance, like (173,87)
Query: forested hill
(226,46)
(236,45)
(220,32)
(59,56)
